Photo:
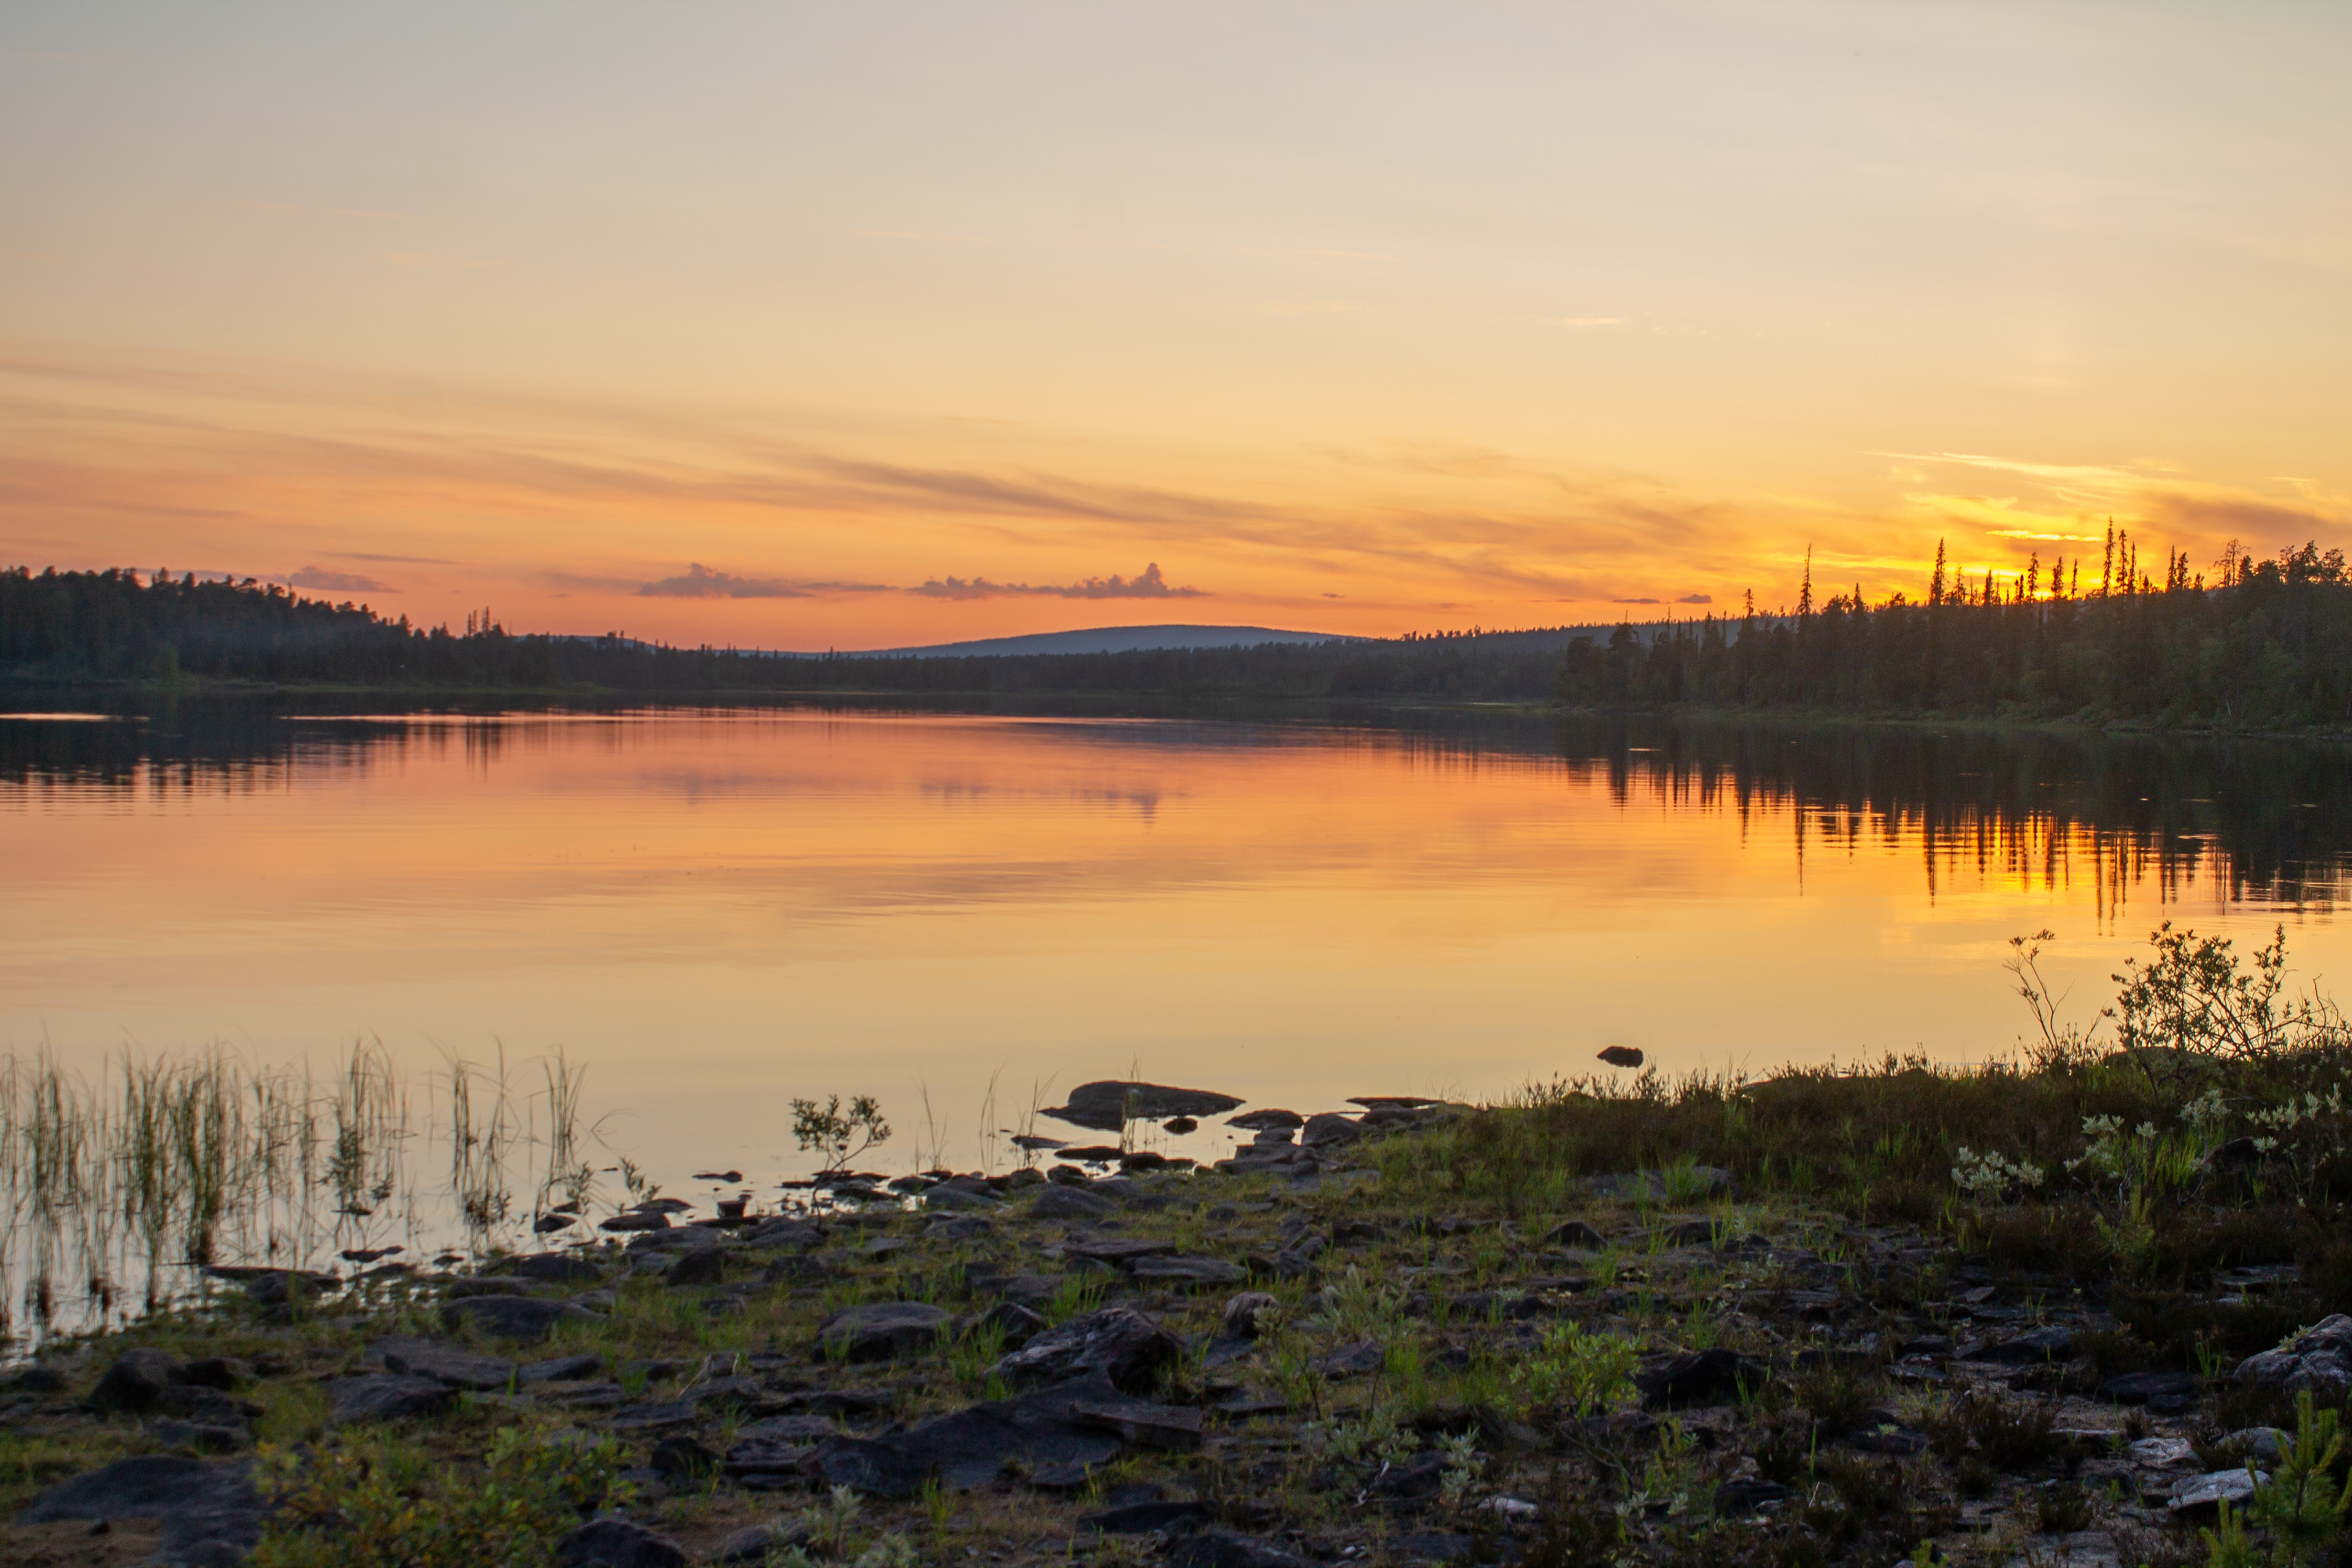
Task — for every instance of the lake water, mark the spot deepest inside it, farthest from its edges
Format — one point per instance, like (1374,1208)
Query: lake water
(718,910)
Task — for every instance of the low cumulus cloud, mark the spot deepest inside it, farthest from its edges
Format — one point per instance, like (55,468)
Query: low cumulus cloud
(1147,584)
(336,582)
(700,582)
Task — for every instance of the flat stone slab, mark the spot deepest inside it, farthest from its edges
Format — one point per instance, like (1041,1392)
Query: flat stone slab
(210,1511)
(444,1362)
(2213,1489)
(1059,1201)
(390,1397)
(2030,1348)
(1105,1106)
(1119,1342)
(1187,1273)
(1074,1424)
(525,1317)
(880,1330)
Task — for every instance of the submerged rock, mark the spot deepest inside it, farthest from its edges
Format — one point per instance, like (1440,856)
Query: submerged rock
(1106,1106)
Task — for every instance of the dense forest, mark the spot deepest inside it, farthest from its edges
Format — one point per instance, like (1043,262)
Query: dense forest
(2268,645)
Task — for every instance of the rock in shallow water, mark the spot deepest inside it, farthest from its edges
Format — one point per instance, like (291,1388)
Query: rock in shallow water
(1106,1106)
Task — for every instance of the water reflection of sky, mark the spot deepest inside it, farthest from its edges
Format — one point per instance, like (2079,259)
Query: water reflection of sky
(719,910)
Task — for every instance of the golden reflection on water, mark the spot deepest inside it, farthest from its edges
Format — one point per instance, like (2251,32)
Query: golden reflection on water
(720,910)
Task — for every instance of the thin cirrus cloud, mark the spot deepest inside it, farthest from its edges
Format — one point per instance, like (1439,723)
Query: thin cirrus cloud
(1685,599)
(1147,584)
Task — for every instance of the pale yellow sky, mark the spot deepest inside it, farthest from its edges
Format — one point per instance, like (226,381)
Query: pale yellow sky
(805,326)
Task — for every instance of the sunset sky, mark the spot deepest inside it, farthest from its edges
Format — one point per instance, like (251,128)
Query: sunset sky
(870,325)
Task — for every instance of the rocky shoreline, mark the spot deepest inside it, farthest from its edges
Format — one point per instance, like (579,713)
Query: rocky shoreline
(1296,1356)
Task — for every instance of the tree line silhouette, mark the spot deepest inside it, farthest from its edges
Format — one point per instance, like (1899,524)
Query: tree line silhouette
(2267,644)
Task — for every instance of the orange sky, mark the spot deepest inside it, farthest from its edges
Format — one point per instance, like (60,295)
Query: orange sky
(876,325)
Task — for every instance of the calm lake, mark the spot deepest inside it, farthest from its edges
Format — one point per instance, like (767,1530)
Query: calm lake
(715,911)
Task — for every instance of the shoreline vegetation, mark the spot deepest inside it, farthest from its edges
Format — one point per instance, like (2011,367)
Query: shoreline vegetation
(2266,648)
(2081,1306)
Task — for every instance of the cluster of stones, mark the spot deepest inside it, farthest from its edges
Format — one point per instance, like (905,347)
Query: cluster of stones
(1075,1394)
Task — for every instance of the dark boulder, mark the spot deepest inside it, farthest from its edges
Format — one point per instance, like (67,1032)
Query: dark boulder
(682,1460)
(1703,1377)
(554,1268)
(1117,1341)
(388,1397)
(618,1543)
(2142,1388)
(1014,1324)
(1216,1548)
(210,1511)
(1330,1129)
(525,1317)
(702,1266)
(1080,1423)
(1577,1234)
(1352,1360)
(1106,1106)
(2031,1348)
(1145,1517)
(880,1330)
(136,1380)
(443,1364)
(1063,1202)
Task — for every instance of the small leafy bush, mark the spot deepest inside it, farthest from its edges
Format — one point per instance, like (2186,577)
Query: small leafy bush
(383,1504)
(1586,1372)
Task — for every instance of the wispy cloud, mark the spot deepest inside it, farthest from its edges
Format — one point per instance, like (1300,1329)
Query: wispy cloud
(336,582)
(1591,322)
(700,582)
(1147,584)
(389,560)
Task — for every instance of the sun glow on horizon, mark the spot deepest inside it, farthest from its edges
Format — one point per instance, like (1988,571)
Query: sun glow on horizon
(877,328)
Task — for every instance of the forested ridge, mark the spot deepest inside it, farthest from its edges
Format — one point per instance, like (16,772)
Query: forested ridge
(2269,644)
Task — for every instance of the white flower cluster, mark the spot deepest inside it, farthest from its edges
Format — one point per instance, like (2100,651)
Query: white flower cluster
(1989,1176)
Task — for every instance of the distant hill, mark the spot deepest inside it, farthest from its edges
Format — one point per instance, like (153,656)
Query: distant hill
(1113,639)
